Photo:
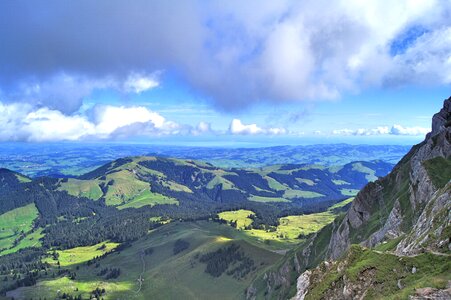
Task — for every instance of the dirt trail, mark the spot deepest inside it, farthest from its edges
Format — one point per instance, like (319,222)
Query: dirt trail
(141,279)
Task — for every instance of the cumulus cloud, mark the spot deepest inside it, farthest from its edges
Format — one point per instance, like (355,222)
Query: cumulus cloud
(383,130)
(203,128)
(400,130)
(234,52)
(237,127)
(22,122)
(139,83)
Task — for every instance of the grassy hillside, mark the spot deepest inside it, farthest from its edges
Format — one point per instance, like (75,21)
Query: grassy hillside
(439,170)
(31,239)
(16,223)
(119,185)
(140,181)
(82,188)
(163,274)
(379,275)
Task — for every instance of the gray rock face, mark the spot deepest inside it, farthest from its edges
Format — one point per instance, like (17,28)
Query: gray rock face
(302,285)
(442,118)
(391,229)
(427,231)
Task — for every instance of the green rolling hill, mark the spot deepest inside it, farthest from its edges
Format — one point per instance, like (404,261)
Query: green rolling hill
(147,226)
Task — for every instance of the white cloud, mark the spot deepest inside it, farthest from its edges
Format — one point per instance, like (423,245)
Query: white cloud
(202,128)
(400,130)
(276,131)
(138,83)
(428,60)
(109,118)
(237,127)
(22,122)
(383,130)
(50,125)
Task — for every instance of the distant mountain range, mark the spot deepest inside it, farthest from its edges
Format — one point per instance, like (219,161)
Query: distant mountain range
(70,160)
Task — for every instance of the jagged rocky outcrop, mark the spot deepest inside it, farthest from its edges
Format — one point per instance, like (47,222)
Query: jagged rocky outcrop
(412,205)
(410,180)
(406,197)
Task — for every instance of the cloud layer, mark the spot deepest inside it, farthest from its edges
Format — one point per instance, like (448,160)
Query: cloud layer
(24,122)
(21,122)
(238,128)
(384,130)
(236,53)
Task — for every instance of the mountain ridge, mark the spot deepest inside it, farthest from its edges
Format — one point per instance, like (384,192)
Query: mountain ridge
(405,206)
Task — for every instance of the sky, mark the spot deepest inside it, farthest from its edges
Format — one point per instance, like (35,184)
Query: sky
(223,72)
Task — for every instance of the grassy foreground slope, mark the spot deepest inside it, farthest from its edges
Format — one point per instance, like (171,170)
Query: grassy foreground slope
(159,273)
(379,275)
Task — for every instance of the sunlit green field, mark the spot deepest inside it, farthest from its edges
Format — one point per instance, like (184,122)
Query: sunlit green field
(80,255)
(241,217)
(148,198)
(124,189)
(290,230)
(349,192)
(82,188)
(30,240)
(14,222)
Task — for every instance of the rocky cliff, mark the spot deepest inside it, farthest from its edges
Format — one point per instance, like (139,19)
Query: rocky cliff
(409,209)
(409,202)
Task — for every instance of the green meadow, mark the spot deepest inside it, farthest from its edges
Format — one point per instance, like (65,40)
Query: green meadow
(146,197)
(82,188)
(288,233)
(15,222)
(80,255)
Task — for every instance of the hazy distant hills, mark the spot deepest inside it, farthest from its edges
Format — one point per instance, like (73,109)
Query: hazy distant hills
(66,159)
(326,155)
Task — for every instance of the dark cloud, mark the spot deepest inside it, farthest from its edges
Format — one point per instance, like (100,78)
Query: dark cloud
(235,53)
(95,37)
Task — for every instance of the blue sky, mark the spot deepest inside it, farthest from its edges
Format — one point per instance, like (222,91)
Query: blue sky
(223,72)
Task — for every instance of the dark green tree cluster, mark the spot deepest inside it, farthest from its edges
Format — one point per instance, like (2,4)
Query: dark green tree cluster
(180,246)
(220,260)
